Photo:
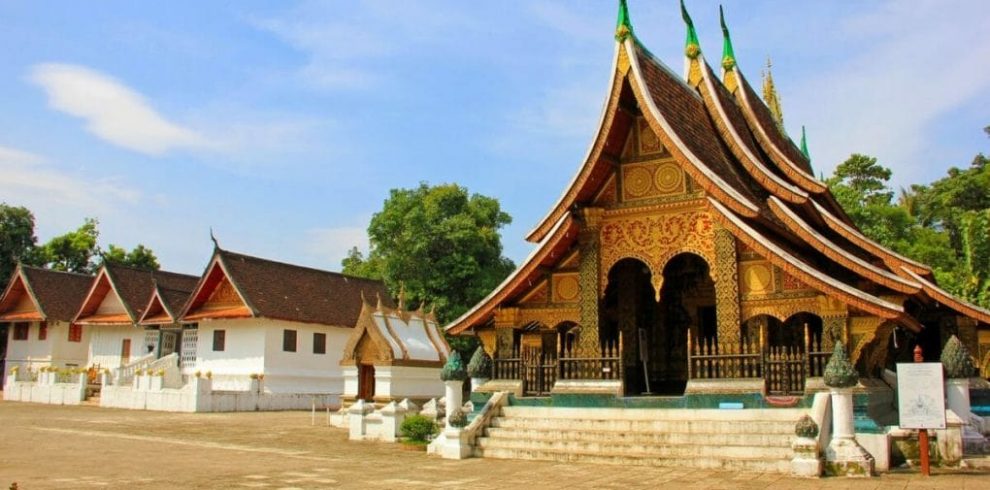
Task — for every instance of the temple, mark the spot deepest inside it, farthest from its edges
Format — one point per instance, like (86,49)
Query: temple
(694,251)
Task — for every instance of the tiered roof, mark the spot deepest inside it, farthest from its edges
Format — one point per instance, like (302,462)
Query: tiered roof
(126,292)
(759,185)
(241,286)
(35,294)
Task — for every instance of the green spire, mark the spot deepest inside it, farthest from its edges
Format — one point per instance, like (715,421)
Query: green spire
(623,26)
(728,55)
(692,48)
(804,144)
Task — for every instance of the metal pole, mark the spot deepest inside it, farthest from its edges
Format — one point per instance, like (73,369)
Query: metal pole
(922,433)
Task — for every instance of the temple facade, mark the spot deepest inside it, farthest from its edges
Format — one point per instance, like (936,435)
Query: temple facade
(695,251)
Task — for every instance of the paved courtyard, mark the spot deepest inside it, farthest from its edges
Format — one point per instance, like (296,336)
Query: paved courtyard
(44,446)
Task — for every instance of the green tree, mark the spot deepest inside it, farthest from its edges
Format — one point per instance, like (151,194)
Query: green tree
(439,242)
(17,239)
(71,252)
(140,257)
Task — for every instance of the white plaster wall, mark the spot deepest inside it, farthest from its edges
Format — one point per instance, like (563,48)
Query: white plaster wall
(303,371)
(106,341)
(399,382)
(243,354)
(350,374)
(67,353)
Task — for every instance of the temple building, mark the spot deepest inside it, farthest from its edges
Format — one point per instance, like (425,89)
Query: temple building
(694,251)
(37,307)
(113,309)
(394,354)
(286,323)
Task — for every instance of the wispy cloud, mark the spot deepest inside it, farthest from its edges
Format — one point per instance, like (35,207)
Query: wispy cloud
(917,62)
(113,111)
(328,246)
(27,179)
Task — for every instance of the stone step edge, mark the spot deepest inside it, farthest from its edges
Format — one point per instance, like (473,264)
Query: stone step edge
(789,430)
(611,413)
(621,450)
(538,437)
(640,456)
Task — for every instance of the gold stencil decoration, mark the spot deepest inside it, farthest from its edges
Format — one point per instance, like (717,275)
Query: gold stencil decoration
(790,283)
(756,278)
(655,240)
(648,141)
(224,296)
(669,178)
(566,288)
(637,181)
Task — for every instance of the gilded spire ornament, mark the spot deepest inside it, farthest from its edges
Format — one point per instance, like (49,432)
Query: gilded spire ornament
(728,55)
(771,98)
(692,48)
(623,25)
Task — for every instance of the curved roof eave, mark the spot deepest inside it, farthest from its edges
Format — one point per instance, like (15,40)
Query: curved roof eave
(807,274)
(484,307)
(868,271)
(790,168)
(852,234)
(688,160)
(751,162)
(943,296)
(543,227)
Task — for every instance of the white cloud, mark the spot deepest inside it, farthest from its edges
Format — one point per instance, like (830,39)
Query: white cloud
(113,111)
(916,63)
(28,180)
(328,246)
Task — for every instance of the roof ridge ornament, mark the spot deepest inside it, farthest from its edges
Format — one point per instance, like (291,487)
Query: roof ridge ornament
(771,98)
(623,25)
(692,47)
(728,55)
(804,144)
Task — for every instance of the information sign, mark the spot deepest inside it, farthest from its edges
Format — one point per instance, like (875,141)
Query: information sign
(921,395)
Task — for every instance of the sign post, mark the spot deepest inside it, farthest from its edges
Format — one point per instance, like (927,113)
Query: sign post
(921,401)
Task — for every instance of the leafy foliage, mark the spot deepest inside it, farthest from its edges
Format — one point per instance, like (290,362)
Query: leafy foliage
(418,428)
(73,251)
(17,238)
(440,242)
(945,224)
(140,257)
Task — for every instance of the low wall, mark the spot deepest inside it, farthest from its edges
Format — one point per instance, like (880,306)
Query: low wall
(198,396)
(46,390)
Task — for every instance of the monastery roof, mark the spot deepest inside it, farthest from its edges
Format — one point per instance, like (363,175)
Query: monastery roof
(397,336)
(133,287)
(277,290)
(759,184)
(56,294)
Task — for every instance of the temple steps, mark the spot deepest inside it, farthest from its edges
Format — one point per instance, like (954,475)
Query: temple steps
(743,440)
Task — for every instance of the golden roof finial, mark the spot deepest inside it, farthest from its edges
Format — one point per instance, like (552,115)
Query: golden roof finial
(770,96)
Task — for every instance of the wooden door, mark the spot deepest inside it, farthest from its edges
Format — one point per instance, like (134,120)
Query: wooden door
(366,382)
(125,352)
(169,342)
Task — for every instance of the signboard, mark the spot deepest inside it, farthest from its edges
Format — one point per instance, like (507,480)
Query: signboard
(921,395)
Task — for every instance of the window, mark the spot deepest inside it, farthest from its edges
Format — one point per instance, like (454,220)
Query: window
(21,331)
(289,340)
(43,331)
(75,332)
(319,343)
(219,340)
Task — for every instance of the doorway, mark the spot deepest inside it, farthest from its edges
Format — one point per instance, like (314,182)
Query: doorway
(366,382)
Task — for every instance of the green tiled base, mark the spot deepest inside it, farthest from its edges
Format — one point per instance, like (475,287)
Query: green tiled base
(754,400)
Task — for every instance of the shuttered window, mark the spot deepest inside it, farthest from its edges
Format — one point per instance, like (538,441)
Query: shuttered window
(289,340)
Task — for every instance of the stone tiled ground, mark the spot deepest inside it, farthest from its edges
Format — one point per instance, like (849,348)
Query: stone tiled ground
(44,446)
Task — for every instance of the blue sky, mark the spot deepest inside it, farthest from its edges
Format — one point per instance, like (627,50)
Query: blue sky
(284,124)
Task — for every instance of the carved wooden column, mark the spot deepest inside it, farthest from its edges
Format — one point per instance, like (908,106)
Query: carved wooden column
(505,323)
(725,273)
(589,275)
(833,329)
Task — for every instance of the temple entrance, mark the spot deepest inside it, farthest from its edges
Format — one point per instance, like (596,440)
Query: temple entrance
(366,382)
(654,334)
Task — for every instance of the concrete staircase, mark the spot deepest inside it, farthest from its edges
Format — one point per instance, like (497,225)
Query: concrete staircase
(743,440)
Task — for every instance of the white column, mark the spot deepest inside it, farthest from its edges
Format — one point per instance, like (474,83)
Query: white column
(844,456)
(454,398)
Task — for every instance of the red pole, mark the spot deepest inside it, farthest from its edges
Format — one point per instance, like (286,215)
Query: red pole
(922,433)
